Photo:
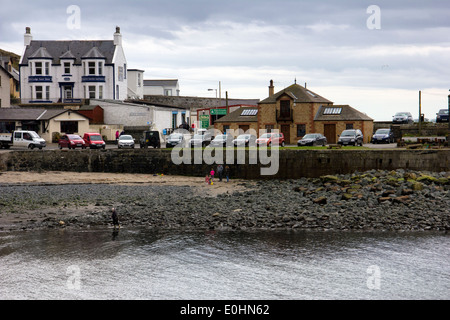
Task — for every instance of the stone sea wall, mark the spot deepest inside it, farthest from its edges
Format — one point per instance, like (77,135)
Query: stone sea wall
(288,164)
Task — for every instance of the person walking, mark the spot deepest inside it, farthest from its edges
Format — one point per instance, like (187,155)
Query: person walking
(220,171)
(115,218)
(227,173)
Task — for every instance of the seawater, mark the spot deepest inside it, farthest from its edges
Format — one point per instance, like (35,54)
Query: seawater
(277,265)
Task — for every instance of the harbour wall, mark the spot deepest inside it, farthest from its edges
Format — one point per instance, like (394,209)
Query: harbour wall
(287,164)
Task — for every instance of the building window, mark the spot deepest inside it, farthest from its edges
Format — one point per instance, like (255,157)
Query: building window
(91,92)
(285,108)
(269,128)
(349,126)
(120,77)
(125,70)
(225,128)
(47,68)
(47,93)
(69,126)
(168,92)
(100,92)
(139,79)
(38,92)
(100,68)
(66,67)
(38,68)
(91,66)
(174,120)
(117,92)
(301,130)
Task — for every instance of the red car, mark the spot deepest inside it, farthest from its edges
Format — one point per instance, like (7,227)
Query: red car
(269,139)
(71,141)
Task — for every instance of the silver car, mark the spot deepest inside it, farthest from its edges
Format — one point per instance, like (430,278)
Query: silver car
(125,141)
(402,117)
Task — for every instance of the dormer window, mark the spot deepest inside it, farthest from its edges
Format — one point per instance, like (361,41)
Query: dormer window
(67,68)
(91,68)
(42,68)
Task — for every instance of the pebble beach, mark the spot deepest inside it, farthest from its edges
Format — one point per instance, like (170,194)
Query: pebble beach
(398,200)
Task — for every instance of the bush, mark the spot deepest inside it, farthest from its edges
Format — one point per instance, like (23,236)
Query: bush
(55,137)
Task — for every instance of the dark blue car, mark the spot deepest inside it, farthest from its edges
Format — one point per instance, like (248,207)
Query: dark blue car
(442,115)
(383,136)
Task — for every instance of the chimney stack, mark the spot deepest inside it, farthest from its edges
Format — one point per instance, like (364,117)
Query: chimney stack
(271,89)
(27,37)
(117,37)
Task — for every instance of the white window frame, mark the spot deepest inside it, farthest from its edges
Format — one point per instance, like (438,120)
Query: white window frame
(67,66)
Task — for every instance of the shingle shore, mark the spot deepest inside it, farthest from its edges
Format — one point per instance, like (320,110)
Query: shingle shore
(399,200)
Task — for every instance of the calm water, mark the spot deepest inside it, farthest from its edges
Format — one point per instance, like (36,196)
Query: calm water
(141,264)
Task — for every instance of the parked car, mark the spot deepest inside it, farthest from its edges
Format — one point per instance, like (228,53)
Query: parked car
(442,115)
(175,139)
(269,139)
(125,141)
(200,140)
(383,136)
(94,140)
(312,139)
(150,139)
(222,140)
(403,117)
(71,141)
(245,140)
(351,137)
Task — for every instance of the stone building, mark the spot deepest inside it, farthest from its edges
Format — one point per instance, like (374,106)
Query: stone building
(291,111)
(296,111)
(243,119)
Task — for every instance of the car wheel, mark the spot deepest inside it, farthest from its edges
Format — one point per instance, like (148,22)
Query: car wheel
(60,147)
(282,144)
(31,146)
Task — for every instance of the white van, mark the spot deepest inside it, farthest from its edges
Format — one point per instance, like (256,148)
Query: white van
(22,138)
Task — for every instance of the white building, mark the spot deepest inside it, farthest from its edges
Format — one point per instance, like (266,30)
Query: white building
(167,87)
(135,84)
(68,71)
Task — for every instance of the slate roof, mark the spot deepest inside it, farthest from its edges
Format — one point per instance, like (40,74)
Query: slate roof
(77,48)
(237,116)
(298,94)
(347,114)
(40,53)
(163,83)
(29,114)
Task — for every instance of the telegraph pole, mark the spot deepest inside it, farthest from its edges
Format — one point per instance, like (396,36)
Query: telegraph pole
(420,113)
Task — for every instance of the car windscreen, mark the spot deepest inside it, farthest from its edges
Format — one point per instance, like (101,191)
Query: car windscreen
(34,134)
(309,136)
(444,111)
(221,137)
(125,138)
(348,134)
(401,114)
(198,137)
(96,138)
(175,136)
(265,136)
(243,137)
(382,131)
(74,137)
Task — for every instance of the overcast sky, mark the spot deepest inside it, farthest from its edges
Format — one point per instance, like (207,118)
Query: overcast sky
(375,61)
